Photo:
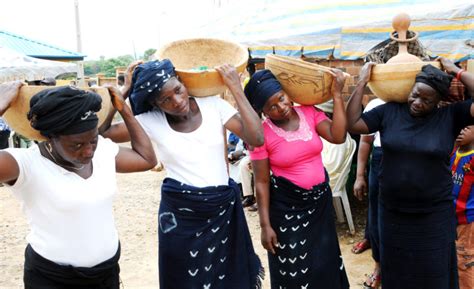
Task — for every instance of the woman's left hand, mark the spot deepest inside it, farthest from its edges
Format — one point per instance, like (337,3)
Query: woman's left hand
(448,65)
(338,81)
(229,75)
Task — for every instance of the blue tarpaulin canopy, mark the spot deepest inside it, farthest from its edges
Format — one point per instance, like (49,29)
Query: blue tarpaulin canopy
(346,29)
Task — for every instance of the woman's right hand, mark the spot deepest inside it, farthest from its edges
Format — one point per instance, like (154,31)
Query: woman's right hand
(8,93)
(360,188)
(269,239)
(116,97)
(364,76)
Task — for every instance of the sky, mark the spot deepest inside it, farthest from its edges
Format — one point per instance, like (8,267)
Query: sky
(111,28)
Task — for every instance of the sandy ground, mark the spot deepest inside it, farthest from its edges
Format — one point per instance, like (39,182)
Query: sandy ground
(136,216)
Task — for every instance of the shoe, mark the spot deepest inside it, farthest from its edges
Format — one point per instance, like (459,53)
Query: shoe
(373,281)
(361,246)
(253,208)
(248,201)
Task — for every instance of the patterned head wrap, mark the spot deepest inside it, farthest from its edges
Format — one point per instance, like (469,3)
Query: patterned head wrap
(64,110)
(260,88)
(149,78)
(435,78)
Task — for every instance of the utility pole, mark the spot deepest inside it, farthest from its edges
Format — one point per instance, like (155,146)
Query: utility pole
(80,64)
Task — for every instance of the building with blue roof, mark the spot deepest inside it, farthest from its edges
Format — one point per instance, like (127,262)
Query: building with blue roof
(37,49)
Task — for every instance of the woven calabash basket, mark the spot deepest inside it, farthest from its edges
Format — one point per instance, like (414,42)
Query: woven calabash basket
(16,115)
(394,82)
(191,55)
(305,83)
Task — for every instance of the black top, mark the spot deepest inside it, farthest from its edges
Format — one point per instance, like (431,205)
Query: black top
(415,174)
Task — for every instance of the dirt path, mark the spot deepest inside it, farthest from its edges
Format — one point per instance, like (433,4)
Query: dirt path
(136,216)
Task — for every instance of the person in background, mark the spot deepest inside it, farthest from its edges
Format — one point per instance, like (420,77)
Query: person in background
(293,193)
(67,184)
(4,134)
(240,170)
(370,146)
(462,168)
(204,240)
(417,229)
(48,81)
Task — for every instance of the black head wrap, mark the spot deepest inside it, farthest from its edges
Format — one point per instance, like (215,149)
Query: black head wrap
(147,78)
(260,88)
(64,110)
(435,78)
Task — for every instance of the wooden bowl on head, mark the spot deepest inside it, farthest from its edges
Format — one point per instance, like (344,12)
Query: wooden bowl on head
(16,115)
(195,59)
(305,83)
(394,82)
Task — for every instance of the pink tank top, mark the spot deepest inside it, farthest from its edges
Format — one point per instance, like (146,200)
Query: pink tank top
(295,155)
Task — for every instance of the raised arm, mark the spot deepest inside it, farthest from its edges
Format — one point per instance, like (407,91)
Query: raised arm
(261,171)
(354,106)
(335,131)
(118,132)
(9,170)
(141,156)
(465,77)
(247,125)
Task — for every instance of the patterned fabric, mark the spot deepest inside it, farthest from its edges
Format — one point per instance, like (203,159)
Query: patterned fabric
(387,49)
(308,254)
(204,241)
(456,92)
(462,168)
(3,125)
(147,78)
(302,133)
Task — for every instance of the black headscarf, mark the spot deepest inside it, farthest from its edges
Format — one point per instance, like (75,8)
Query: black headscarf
(147,78)
(64,110)
(260,88)
(435,78)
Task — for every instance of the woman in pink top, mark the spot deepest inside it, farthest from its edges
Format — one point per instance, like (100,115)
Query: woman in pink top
(295,201)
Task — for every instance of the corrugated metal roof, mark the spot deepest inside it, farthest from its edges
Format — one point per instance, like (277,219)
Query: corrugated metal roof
(35,48)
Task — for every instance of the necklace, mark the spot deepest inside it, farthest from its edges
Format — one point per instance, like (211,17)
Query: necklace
(49,149)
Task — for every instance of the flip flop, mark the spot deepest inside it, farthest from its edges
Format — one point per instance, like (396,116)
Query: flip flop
(375,280)
(361,246)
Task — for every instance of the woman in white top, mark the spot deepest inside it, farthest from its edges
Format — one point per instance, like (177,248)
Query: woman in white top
(204,241)
(67,184)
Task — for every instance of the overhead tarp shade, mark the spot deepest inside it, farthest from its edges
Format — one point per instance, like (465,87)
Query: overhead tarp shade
(320,44)
(341,29)
(15,66)
(448,34)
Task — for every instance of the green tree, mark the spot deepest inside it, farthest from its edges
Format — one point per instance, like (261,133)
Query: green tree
(106,66)
(147,55)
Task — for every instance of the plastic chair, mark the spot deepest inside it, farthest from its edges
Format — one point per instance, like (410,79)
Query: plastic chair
(337,160)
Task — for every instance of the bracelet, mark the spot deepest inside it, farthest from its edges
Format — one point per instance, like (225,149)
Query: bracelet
(458,75)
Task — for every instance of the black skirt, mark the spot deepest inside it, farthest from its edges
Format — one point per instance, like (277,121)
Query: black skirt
(308,254)
(41,273)
(417,250)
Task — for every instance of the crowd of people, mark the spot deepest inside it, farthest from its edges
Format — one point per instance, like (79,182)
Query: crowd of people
(421,208)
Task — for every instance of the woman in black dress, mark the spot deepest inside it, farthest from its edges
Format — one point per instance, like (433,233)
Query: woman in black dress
(416,214)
